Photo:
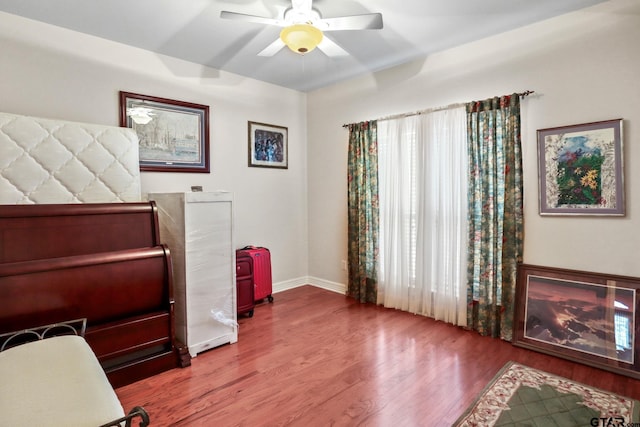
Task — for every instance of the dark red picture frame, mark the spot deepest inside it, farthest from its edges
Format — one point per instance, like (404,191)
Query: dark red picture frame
(585,317)
(175,138)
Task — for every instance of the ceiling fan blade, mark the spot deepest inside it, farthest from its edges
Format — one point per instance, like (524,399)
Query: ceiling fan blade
(369,21)
(331,48)
(272,49)
(251,18)
(303,5)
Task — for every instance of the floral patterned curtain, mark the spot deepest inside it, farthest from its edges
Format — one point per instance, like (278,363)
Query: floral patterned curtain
(363,211)
(495,213)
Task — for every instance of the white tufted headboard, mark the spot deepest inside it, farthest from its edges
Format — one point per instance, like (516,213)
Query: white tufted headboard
(55,161)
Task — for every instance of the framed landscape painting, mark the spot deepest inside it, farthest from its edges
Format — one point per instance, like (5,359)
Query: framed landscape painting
(580,168)
(173,135)
(581,316)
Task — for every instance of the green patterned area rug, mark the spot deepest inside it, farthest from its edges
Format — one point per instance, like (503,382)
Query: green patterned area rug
(523,396)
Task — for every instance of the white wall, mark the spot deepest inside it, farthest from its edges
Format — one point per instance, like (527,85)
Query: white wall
(583,67)
(52,72)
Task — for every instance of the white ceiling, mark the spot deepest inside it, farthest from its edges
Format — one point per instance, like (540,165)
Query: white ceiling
(193,30)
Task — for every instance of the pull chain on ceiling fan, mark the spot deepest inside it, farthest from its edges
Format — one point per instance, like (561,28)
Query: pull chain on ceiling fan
(303,28)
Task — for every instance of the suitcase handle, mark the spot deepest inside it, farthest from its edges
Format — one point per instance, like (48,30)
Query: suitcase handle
(253,247)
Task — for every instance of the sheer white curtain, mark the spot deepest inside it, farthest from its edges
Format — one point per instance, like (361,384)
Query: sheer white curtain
(423,172)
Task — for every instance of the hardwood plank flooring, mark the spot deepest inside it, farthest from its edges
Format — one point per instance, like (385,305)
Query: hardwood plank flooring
(317,358)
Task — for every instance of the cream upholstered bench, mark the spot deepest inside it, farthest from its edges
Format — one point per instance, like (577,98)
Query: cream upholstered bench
(56,381)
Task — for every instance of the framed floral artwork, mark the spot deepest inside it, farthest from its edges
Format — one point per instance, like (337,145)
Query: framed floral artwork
(580,168)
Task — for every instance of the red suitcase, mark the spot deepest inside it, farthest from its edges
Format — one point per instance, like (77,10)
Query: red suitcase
(244,284)
(261,271)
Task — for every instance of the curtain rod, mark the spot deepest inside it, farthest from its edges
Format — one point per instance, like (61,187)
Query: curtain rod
(431,110)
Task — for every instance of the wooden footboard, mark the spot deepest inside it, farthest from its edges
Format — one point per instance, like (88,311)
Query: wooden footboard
(124,295)
(31,232)
(101,261)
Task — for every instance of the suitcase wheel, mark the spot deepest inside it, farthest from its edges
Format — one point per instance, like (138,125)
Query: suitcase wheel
(270,298)
(250,313)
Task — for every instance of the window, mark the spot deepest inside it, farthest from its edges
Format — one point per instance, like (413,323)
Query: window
(423,195)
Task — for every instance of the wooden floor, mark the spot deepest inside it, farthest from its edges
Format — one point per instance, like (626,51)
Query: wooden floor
(317,358)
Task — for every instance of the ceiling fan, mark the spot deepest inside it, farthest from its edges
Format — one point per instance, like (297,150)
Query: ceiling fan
(303,28)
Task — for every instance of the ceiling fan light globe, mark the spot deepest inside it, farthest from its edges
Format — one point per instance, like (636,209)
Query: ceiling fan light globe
(301,38)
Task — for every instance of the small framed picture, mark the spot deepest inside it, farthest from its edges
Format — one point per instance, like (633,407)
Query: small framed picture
(580,168)
(268,146)
(173,135)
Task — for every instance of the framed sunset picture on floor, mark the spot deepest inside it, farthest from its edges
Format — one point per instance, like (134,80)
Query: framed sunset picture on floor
(581,316)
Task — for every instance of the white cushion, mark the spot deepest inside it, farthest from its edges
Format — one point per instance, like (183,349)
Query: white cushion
(55,382)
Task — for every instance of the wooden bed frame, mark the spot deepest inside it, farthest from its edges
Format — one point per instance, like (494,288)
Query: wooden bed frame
(102,262)
(29,232)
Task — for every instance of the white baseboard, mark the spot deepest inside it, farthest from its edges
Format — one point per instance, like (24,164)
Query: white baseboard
(290,284)
(330,286)
(313,281)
